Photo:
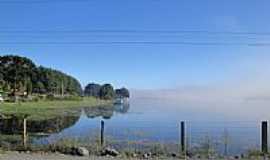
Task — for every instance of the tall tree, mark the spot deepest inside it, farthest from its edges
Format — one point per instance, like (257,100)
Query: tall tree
(92,89)
(107,92)
(122,93)
(15,70)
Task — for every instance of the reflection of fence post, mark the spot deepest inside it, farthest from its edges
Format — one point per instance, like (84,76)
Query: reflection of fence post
(24,132)
(102,134)
(183,138)
(264,140)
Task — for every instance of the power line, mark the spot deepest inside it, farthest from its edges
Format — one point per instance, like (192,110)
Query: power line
(110,33)
(139,43)
(48,1)
(134,32)
(129,36)
(41,1)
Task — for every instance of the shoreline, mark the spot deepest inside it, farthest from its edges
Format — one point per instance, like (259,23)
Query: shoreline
(42,110)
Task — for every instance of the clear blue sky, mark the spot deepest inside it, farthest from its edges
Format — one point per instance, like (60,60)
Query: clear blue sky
(138,66)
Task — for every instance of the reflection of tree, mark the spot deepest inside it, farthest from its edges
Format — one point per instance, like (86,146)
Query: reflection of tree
(54,125)
(122,108)
(106,111)
(14,125)
(92,112)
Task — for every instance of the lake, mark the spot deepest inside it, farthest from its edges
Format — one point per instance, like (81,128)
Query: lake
(225,129)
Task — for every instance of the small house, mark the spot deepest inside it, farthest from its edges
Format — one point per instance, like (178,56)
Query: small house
(1,98)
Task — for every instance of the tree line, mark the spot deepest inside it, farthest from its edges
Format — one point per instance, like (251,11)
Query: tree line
(19,75)
(105,91)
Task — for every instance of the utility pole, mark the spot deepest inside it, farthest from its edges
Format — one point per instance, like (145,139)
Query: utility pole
(62,88)
(15,84)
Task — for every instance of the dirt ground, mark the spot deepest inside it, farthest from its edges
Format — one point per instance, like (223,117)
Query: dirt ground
(56,156)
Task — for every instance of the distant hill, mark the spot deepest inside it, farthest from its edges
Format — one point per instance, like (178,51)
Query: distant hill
(20,75)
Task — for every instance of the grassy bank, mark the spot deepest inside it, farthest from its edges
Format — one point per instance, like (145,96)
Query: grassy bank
(48,109)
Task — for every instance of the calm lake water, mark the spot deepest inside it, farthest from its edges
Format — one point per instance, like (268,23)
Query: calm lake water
(158,121)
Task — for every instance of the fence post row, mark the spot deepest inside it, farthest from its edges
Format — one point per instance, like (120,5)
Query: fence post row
(264,140)
(264,137)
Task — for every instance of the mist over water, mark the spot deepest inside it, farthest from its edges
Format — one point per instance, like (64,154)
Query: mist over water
(235,102)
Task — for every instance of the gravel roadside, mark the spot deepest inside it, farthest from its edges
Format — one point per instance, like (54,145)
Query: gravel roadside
(57,156)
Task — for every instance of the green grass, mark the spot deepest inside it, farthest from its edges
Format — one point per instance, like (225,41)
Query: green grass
(49,109)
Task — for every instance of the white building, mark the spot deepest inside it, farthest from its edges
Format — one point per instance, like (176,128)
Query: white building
(1,98)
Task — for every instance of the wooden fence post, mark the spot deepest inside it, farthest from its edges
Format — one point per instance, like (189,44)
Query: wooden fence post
(264,140)
(102,133)
(183,138)
(25,132)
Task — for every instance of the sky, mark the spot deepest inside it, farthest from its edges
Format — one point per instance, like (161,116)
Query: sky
(213,54)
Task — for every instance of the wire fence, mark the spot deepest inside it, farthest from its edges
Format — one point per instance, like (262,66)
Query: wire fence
(189,138)
(201,138)
(223,138)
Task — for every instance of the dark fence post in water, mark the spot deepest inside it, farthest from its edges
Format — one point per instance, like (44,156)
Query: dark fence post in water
(183,138)
(24,132)
(102,134)
(264,137)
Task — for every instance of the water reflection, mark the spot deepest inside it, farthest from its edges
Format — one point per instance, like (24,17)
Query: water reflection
(123,109)
(145,122)
(105,112)
(13,124)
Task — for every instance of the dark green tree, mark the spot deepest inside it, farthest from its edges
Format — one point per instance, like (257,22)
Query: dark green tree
(92,89)
(122,93)
(2,82)
(20,74)
(39,88)
(15,70)
(29,87)
(107,92)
